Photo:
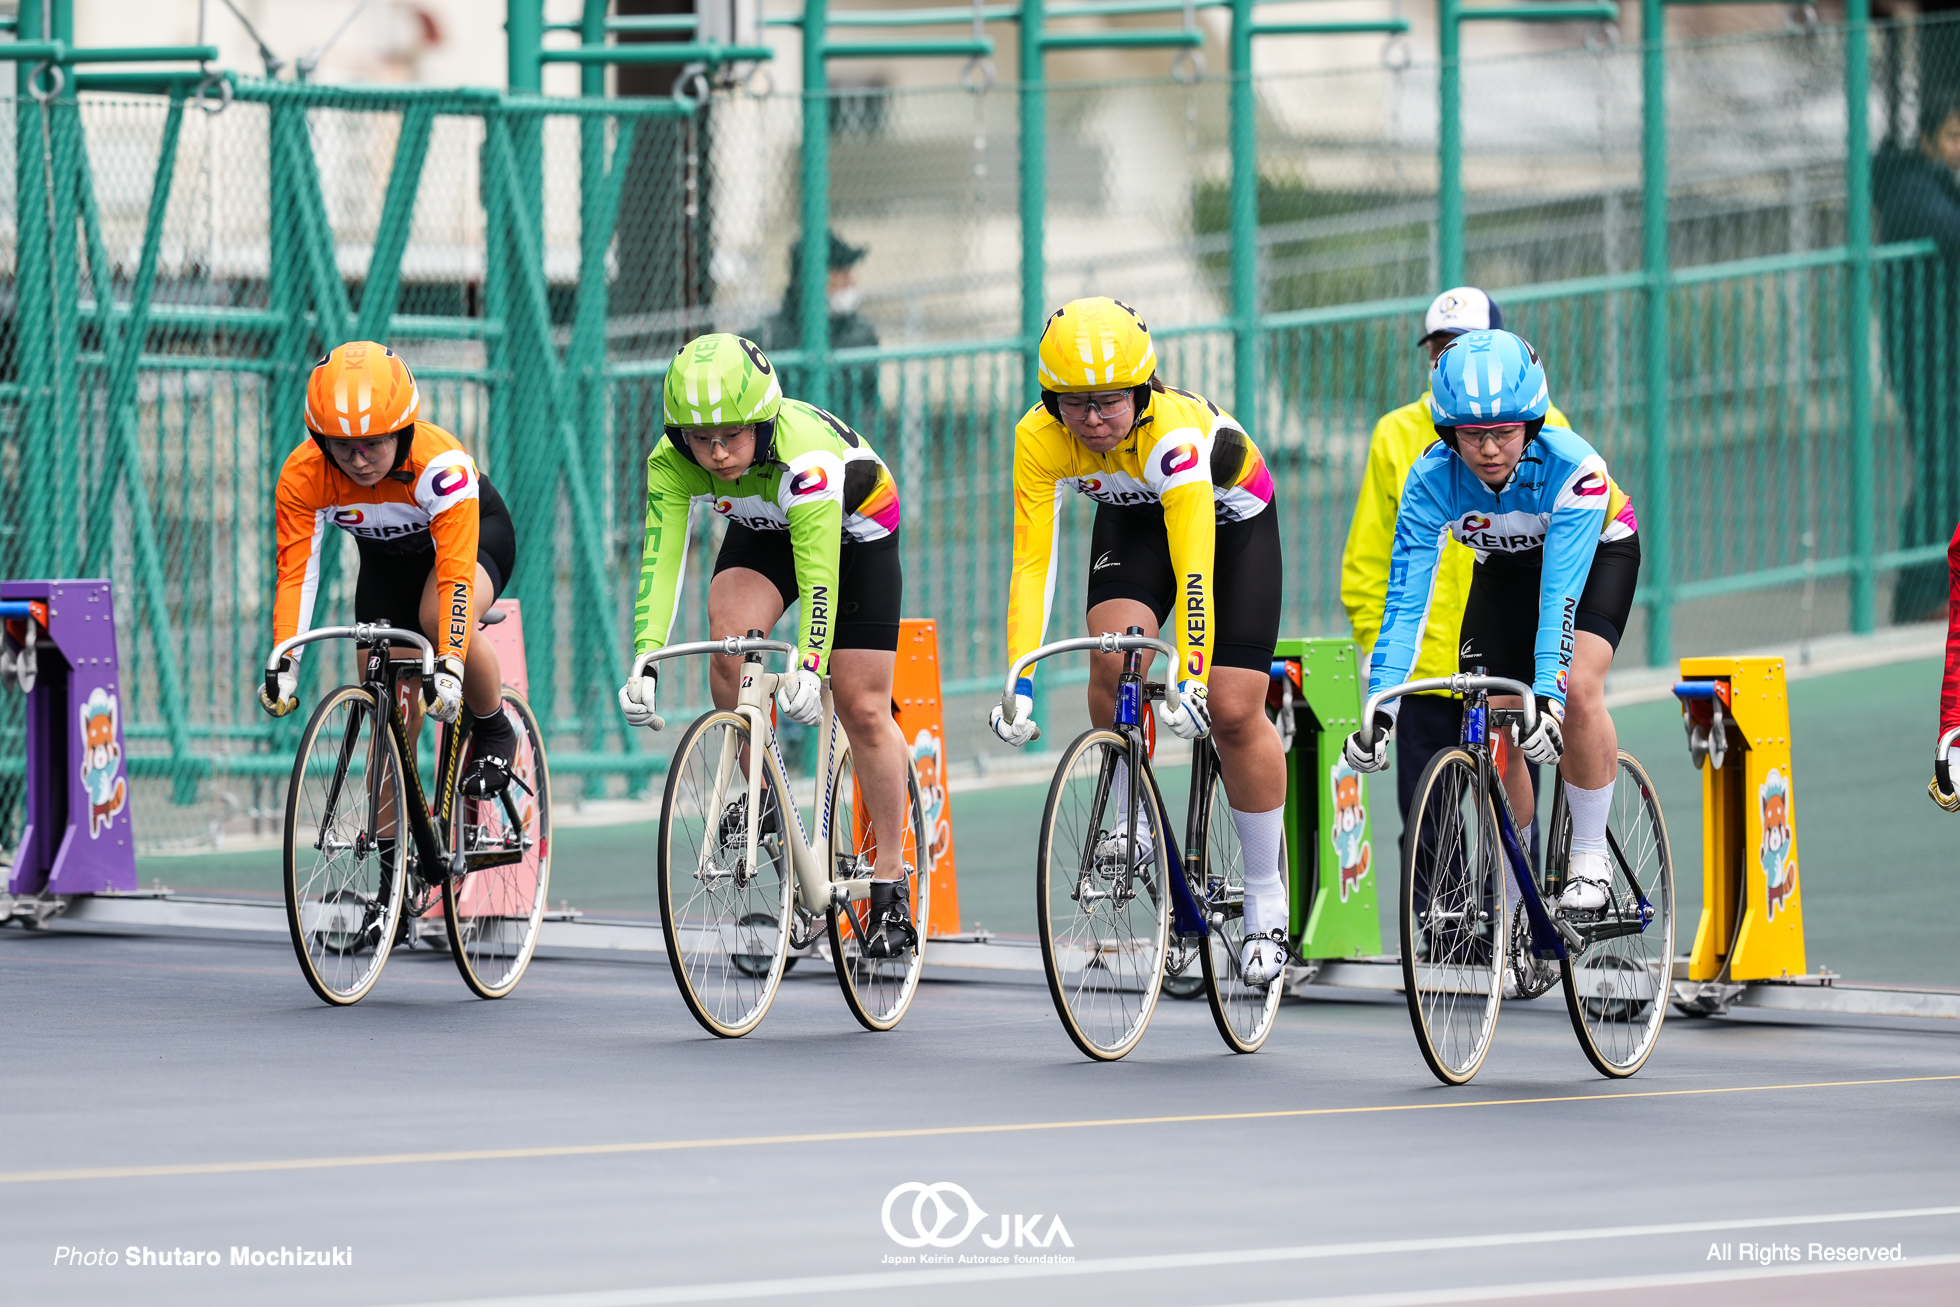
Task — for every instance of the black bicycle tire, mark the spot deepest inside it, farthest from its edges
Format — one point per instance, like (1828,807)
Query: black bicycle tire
(541,893)
(289,871)
(670,930)
(1662,1000)
(921,902)
(1056,989)
(1412,992)
(1215,983)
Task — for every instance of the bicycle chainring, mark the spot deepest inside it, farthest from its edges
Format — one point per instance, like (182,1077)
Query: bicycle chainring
(1532,975)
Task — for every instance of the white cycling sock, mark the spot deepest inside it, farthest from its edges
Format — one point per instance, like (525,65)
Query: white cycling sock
(1265,881)
(1588,809)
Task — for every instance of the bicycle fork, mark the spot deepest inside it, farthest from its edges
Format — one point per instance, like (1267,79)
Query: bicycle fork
(1186,916)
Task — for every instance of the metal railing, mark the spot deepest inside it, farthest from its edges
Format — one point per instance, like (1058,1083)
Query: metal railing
(159,358)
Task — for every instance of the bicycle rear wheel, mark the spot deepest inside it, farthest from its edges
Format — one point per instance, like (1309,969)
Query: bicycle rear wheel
(1244,1013)
(724,920)
(878,990)
(1452,918)
(1104,915)
(345,850)
(1616,990)
(493,912)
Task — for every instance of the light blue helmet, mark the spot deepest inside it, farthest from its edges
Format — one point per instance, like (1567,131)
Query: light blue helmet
(1488,378)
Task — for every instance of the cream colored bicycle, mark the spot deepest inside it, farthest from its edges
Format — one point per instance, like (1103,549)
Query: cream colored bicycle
(744,883)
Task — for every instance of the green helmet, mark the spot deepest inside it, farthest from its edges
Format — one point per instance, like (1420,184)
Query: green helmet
(719,380)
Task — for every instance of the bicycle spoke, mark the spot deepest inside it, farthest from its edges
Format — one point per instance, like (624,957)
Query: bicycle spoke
(342,872)
(1103,917)
(1617,986)
(1453,914)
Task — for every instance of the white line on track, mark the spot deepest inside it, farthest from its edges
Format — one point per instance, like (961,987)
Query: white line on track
(1547,1288)
(741,1289)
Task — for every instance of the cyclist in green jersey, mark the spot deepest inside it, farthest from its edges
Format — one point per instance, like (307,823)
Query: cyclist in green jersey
(812,519)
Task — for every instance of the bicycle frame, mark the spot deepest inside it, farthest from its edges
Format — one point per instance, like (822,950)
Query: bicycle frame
(1188,919)
(428,825)
(1551,936)
(815,890)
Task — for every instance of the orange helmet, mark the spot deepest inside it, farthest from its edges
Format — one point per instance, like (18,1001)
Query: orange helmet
(361,389)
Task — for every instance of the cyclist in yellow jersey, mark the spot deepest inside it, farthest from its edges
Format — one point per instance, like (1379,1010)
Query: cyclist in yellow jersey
(1184,525)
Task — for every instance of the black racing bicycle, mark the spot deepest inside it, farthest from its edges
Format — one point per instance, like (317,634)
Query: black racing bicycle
(353,877)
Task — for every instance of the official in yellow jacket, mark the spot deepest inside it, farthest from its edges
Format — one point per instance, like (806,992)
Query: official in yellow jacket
(1429,722)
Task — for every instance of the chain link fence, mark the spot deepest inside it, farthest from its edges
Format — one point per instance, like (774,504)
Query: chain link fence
(539,316)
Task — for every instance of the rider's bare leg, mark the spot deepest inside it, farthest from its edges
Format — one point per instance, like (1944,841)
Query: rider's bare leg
(740,600)
(861,687)
(483,675)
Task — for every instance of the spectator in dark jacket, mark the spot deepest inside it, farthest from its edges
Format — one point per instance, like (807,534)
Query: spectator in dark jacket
(1916,191)
(854,389)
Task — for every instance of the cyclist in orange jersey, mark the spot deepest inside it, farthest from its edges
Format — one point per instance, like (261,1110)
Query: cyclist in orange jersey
(436,543)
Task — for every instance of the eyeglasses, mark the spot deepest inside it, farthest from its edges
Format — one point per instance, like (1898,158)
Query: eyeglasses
(701,442)
(1103,405)
(1495,437)
(372,450)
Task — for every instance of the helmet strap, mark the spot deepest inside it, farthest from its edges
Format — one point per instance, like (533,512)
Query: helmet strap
(674,439)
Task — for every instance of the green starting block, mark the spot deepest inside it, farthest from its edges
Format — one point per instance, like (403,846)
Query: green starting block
(1316,695)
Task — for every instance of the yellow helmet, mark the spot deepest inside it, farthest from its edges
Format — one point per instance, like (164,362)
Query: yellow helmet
(1095,344)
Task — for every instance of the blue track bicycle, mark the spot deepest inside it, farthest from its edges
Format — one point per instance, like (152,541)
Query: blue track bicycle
(1478,925)
(1122,907)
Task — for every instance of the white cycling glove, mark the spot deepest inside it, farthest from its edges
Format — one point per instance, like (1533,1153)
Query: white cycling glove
(447,702)
(800,696)
(1546,743)
(1191,719)
(1022,729)
(286,682)
(1365,758)
(636,700)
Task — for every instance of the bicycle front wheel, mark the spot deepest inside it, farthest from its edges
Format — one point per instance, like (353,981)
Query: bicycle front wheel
(345,864)
(1101,900)
(1616,990)
(723,917)
(1452,918)
(878,990)
(1244,1013)
(494,910)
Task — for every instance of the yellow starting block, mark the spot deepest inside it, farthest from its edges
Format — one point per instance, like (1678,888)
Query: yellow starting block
(1737,713)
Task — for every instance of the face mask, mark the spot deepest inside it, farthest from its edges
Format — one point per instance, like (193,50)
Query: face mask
(846,299)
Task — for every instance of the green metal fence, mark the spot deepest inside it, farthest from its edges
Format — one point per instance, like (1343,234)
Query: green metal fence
(1755,367)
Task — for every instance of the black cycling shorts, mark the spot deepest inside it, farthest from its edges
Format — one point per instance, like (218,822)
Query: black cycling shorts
(1500,621)
(1130,558)
(392,578)
(870,583)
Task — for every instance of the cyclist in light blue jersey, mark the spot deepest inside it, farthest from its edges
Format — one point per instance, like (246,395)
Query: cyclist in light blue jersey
(1558,556)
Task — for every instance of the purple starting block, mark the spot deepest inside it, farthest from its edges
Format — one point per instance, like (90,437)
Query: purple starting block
(61,647)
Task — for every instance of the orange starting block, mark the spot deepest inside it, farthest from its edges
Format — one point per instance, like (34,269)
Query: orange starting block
(921,715)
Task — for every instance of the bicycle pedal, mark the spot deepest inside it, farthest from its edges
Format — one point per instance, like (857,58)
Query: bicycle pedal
(1569,933)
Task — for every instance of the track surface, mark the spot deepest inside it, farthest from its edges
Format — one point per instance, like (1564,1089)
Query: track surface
(213,1063)
(1879,889)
